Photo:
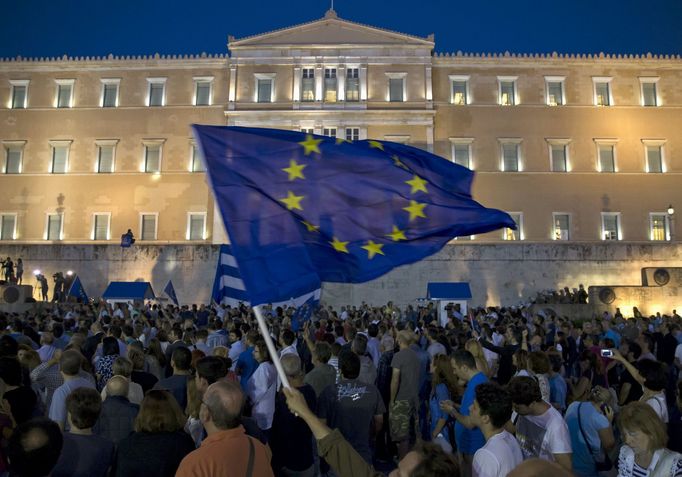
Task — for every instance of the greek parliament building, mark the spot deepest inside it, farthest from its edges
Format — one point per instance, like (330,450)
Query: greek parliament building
(584,151)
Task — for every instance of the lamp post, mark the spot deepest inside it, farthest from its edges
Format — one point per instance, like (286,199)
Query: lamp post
(671,222)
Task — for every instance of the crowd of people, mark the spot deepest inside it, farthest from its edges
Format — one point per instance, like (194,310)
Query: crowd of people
(95,389)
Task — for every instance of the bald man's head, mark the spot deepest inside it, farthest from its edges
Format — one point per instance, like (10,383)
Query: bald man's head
(117,386)
(224,400)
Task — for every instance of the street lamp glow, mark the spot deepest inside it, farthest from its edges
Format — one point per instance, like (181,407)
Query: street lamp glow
(69,272)
(36,272)
(671,210)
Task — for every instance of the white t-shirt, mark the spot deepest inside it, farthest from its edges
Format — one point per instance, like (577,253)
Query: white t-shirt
(678,352)
(544,435)
(499,456)
(660,406)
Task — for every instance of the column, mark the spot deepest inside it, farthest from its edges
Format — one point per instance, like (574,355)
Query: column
(232,92)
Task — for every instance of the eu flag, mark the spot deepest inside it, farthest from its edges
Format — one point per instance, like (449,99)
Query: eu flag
(303,209)
(170,291)
(76,290)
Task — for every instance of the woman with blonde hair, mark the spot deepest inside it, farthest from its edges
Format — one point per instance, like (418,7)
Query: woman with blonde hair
(159,442)
(645,438)
(475,348)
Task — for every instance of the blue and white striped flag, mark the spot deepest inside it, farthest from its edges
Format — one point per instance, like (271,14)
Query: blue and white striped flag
(229,289)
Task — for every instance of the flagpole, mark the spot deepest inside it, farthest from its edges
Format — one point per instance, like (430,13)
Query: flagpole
(271,346)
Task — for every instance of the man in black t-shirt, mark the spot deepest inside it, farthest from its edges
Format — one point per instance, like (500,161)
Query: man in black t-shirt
(353,407)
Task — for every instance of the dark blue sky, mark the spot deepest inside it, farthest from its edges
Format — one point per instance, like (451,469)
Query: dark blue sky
(93,27)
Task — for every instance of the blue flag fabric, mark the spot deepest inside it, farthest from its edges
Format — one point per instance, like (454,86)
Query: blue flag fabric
(302,209)
(170,291)
(228,287)
(77,290)
(303,313)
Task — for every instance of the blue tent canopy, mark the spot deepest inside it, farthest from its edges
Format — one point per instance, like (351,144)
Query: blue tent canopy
(448,291)
(129,291)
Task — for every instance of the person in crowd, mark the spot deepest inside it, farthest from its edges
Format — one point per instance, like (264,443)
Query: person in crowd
(539,428)
(138,375)
(651,375)
(590,426)
(216,337)
(322,374)
(118,414)
(506,353)
(353,407)
(247,363)
(176,384)
(630,389)
(424,460)
(262,387)
(104,363)
(675,424)
(69,366)
(84,453)
(47,348)
(22,399)
(236,344)
(20,271)
(373,343)
(158,444)
(491,410)
(287,340)
(469,438)
(155,358)
(558,388)
(444,385)
(539,366)
(474,347)
(644,452)
(199,342)
(290,438)
(175,342)
(227,446)
(34,448)
(405,383)
(124,367)
(589,375)
(368,372)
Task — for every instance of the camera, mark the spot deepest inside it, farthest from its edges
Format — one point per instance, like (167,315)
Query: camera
(607,353)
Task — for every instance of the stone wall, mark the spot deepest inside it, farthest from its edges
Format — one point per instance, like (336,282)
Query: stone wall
(505,273)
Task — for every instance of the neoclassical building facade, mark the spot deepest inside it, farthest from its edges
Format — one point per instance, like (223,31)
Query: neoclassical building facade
(582,149)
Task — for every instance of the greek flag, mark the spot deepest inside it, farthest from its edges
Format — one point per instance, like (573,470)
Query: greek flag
(229,289)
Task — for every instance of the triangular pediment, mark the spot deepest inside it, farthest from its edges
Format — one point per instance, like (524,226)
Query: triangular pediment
(330,31)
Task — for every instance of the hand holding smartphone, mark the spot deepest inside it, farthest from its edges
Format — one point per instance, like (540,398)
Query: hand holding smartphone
(607,353)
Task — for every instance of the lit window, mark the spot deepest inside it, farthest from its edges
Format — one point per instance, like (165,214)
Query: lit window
(265,87)
(8,226)
(352,134)
(308,130)
(196,164)
(152,157)
(60,157)
(460,90)
(561,226)
(196,226)
(329,132)
(308,84)
(607,157)
(14,151)
(610,226)
(461,151)
(100,226)
(157,92)
(64,93)
(54,227)
(105,156)
(558,154)
(510,234)
(510,152)
(659,226)
(507,90)
(330,90)
(555,90)
(19,94)
(352,84)
(148,226)
(202,91)
(396,86)
(654,159)
(649,90)
(602,91)
(110,92)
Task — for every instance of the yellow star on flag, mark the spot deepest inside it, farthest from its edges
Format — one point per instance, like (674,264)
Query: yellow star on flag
(397,234)
(292,201)
(295,170)
(415,209)
(376,145)
(373,249)
(310,144)
(310,227)
(418,184)
(398,162)
(340,140)
(339,246)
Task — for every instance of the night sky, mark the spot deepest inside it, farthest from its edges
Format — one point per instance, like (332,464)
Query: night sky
(87,27)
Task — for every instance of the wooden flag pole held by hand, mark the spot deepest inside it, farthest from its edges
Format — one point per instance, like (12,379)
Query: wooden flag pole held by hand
(271,346)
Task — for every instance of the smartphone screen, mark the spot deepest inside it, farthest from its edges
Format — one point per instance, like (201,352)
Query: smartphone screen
(607,353)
